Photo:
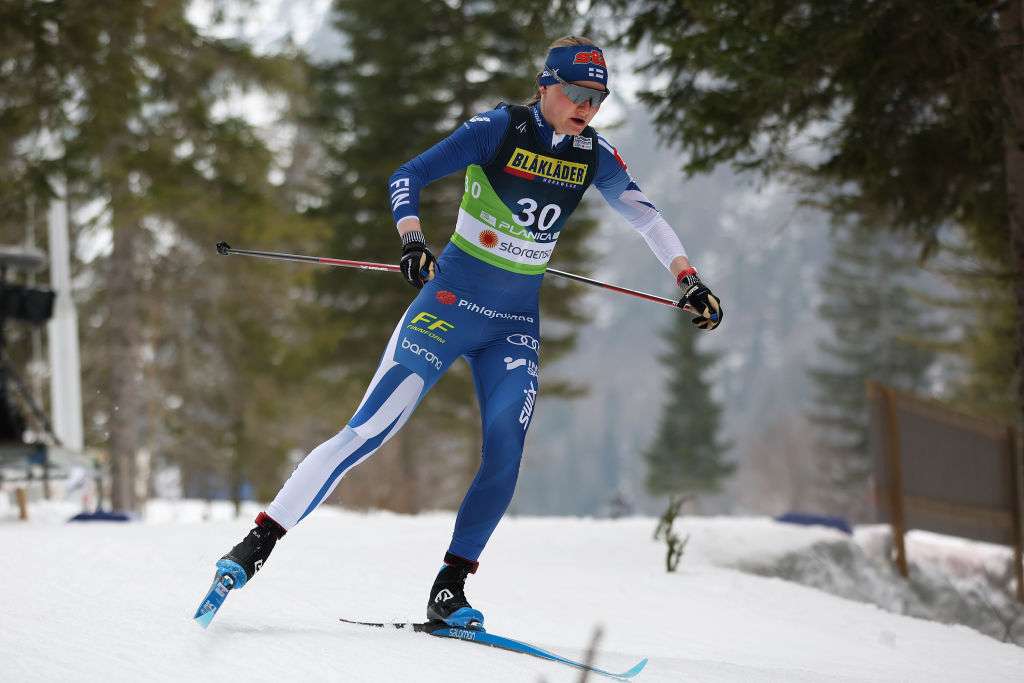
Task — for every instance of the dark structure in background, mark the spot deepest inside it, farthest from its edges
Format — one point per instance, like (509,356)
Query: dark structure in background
(32,306)
(943,471)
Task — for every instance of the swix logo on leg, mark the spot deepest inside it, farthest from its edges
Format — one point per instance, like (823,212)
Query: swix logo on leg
(592,57)
(443,595)
(528,403)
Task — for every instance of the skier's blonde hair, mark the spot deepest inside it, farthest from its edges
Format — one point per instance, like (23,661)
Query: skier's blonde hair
(565,41)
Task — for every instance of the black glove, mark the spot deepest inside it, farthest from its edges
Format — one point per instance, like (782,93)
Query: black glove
(700,299)
(418,265)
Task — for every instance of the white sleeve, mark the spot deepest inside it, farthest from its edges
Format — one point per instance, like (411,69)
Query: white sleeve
(663,241)
(640,212)
(620,190)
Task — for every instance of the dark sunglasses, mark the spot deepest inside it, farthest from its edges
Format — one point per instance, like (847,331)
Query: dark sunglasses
(579,94)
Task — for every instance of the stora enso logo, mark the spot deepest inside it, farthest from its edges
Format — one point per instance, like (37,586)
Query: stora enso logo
(488,238)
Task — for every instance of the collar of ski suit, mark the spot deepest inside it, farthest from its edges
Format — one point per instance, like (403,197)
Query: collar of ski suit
(546,131)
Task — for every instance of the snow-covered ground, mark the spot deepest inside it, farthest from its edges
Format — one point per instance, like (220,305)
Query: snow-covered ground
(114,601)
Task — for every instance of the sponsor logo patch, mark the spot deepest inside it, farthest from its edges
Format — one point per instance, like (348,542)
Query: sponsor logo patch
(523,340)
(527,410)
(513,363)
(582,142)
(529,165)
(526,233)
(488,238)
(516,250)
(592,57)
(423,352)
(491,313)
(518,230)
(445,297)
(430,325)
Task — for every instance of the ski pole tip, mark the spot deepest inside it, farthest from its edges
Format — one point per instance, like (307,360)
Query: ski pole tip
(223,248)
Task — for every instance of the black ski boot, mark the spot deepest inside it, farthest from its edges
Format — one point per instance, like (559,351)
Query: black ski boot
(245,559)
(448,601)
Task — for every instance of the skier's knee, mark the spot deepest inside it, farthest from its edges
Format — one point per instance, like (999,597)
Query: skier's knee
(388,402)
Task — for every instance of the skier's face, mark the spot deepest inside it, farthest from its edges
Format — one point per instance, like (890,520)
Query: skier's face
(564,115)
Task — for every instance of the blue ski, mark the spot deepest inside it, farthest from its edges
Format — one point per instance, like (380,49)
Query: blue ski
(222,584)
(443,630)
(229,575)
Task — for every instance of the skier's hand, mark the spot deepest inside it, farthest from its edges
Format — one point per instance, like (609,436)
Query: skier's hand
(700,300)
(418,265)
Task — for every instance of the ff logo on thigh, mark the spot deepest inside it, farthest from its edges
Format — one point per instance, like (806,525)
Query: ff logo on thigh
(430,325)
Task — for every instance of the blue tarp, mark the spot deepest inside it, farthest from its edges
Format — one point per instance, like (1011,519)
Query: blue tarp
(815,520)
(101,516)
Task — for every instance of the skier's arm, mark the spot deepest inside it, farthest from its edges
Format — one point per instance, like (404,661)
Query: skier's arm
(621,191)
(623,194)
(473,142)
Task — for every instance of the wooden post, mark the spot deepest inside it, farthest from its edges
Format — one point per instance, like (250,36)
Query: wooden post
(1017,508)
(892,451)
(46,473)
(22,498)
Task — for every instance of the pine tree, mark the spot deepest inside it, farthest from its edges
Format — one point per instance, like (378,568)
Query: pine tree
(687,455)
(880,331)
(931,133)
(981,340)
(413,72)
(126,102)
(986,387)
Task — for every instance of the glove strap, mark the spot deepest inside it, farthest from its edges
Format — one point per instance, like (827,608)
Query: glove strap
(687,278)
(267,522)
(413,236)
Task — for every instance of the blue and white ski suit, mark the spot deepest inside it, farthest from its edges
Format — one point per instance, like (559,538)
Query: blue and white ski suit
(522,182)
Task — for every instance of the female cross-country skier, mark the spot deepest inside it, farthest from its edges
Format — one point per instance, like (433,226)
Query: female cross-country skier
(527,168)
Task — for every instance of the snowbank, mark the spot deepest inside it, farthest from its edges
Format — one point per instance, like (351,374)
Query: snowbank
(952,580)
(90,602)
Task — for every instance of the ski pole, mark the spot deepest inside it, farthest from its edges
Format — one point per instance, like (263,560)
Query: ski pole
(225,249)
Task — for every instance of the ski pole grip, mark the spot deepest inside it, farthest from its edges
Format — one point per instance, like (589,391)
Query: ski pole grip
(223,248)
